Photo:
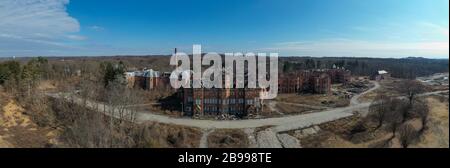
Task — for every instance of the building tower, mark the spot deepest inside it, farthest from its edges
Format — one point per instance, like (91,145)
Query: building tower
(176,56)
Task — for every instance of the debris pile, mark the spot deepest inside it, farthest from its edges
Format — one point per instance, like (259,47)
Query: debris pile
(306,132)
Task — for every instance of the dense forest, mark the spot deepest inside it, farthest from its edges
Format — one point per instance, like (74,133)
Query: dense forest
(401,68)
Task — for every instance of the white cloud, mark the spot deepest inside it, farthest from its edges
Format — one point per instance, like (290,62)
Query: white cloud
(18,39)
(435,28)
(97,28)
(76,37)
(358,48)
(44,22)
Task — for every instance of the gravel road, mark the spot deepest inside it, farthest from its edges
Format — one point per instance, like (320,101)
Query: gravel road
(280,124)
(355,101)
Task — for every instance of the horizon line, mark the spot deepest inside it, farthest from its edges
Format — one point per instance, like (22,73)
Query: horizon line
(156,55)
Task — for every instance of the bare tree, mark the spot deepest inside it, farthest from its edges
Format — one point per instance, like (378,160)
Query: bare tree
(87,128)
(411,88)
(420,108)
(379,109)
(401,108)
(394,116)
(407,135)
(119,99)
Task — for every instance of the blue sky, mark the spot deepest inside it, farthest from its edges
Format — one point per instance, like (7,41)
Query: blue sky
(360,28)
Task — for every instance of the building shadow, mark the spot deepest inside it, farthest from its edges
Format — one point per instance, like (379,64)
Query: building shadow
(171,103)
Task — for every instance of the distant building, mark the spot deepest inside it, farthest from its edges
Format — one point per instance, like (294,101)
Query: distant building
(381,75)
(339,76)
(148,79)
(312,81)
(152,79)
(290,83)
(320,83)
(131,79)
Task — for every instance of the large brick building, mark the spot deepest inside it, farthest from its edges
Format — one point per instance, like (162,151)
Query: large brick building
(214,101)
(238,102)
(229,100)
(339,76)
(317,82)
(148,79)
(312,81)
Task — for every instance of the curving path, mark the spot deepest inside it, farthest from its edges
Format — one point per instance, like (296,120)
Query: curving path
(280,124)
(355,101)
(204,138)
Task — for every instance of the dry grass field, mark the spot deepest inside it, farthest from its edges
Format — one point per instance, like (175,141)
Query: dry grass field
(228,138)
(437,134)
(18,130)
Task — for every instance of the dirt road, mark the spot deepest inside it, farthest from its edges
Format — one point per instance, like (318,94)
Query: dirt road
(280,124)
(355,101)
(204,139)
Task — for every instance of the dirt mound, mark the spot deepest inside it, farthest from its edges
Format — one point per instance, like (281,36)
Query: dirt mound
(157,135)
(13,116)
(18,130)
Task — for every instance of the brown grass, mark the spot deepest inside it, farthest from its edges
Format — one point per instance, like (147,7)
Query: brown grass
(170,136)
(156,109)
(4,143)
(47,85)
(338,134)
(18,130)
(312,99)
(437,133)
(228,138)
(292,109)
(387,87)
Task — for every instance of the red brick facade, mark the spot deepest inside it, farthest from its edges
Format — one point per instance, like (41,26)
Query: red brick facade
(147,82)
(318,82)
(339,76)
(238,102)
(304,82)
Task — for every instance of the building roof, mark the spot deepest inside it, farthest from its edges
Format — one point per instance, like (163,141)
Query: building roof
(151,73)
(382,72)
(133,73)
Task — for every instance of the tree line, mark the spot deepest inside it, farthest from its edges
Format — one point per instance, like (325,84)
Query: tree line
(22,79)
(407,68)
